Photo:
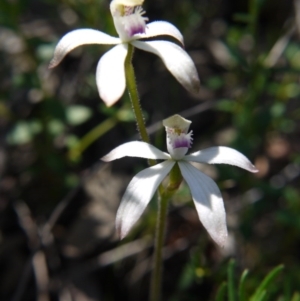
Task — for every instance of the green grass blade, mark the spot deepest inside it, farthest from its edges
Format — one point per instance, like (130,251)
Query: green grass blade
(220,296)
(231,286)
(262,296)
(242,293)
(266,282)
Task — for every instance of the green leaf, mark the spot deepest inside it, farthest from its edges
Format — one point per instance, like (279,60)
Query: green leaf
(20,134)
(45,52)
(125,115)
(23,132)
(77,114)
(226,105)
(258,294)
(215,82)
(55,127)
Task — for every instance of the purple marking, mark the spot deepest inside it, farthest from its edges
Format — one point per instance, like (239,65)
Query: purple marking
(181,142)
(136,29)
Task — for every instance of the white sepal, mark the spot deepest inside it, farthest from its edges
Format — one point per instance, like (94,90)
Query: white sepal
(136,149)
(221,154)
(77,38)
(138,194)
(110,74)
(177,61)
(208,201)
(160,28)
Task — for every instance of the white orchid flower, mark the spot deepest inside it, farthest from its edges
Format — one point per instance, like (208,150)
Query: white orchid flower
(205,193)
(130,25)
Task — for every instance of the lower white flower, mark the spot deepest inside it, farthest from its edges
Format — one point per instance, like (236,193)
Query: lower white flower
(205,193)
(131,26)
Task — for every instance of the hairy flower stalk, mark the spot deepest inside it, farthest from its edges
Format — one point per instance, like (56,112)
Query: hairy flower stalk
(134,98)
(130,23)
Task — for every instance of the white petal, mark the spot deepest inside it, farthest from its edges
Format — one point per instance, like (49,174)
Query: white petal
(160,28)
(208,201)
(221,154)
(138,194)
(77,38)
(177,61)
(110,74)
(136,149)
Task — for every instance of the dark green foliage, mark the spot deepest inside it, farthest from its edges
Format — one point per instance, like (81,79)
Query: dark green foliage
(262,292)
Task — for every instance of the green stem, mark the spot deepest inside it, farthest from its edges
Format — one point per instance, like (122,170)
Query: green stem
(155,288)
(133,94)
(91,137)
(165,194)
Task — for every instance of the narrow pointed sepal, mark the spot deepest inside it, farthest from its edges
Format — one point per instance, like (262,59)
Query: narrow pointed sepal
(77,38)
(110,74)
(136,149)
(138,194)
(221,155)
(208,201)
(160,28)
(177,61)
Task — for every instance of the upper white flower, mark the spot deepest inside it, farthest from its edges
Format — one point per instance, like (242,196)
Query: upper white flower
(205,193)
(131,26)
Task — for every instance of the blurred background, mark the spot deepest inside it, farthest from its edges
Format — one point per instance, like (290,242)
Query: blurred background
(58,200)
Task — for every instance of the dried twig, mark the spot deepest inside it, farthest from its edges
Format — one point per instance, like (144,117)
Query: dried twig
(37,262)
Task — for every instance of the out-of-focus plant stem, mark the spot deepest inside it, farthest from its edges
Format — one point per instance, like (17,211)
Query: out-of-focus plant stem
(91,136)
(156,277)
